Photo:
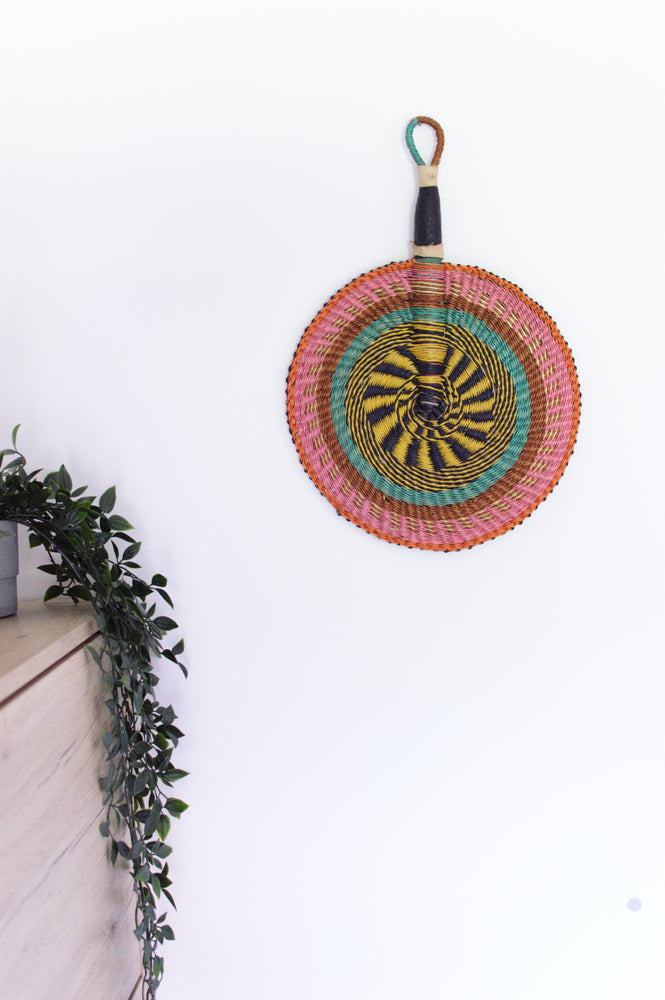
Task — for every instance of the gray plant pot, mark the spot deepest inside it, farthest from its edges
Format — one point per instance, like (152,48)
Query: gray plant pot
(8,567)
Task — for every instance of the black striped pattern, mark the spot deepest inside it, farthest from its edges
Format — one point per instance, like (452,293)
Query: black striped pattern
(429,406)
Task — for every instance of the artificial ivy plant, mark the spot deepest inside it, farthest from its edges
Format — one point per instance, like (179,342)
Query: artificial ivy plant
(92,558)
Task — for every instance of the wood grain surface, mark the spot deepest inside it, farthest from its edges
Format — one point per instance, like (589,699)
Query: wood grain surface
(66,915)
(37,637)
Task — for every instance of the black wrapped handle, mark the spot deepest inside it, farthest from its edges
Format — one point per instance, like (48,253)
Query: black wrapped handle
(427,222)
(427,237)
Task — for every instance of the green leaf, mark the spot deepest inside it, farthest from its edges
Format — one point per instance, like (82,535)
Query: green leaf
(163,826)
(175,774)
(104,829)
(64,479)
(175,806)
(165,597)
(141,783)
(49,568)
(118,523)
(162,850)
(54,591)
(165,624)
(91,651)
(170,898)
(141,589)
(153,819)
(137,849)
(179,648)
(158,580)
(131,551)
(123,536)
(168,933)
(107,500)
(14,433)
(143,874)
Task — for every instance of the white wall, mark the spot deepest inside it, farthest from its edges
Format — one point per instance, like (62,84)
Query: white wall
(414,774)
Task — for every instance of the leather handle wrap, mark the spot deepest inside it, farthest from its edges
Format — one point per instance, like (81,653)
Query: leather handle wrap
(427,224)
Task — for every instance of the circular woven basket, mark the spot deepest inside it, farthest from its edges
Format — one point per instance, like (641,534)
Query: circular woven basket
(435,405)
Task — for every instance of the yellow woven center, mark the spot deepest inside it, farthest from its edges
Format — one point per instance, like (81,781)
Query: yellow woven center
(430,406)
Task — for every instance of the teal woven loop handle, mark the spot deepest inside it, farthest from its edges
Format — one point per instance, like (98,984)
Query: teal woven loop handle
(421,120)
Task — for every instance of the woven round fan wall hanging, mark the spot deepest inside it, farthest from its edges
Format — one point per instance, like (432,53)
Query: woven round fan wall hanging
(435,405)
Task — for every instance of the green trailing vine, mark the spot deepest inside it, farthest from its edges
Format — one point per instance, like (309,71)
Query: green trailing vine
(93,558)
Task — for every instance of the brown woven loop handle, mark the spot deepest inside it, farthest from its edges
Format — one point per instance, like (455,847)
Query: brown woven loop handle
(422,120)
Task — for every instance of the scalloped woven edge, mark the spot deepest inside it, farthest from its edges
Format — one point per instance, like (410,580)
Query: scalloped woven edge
(503,529)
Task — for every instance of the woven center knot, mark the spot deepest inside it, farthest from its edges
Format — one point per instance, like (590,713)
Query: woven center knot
(430,405)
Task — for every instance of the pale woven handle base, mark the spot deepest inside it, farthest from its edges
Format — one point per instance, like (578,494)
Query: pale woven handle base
(435,251)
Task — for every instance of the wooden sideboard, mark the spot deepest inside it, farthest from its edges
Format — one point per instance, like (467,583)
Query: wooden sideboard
(66,915)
